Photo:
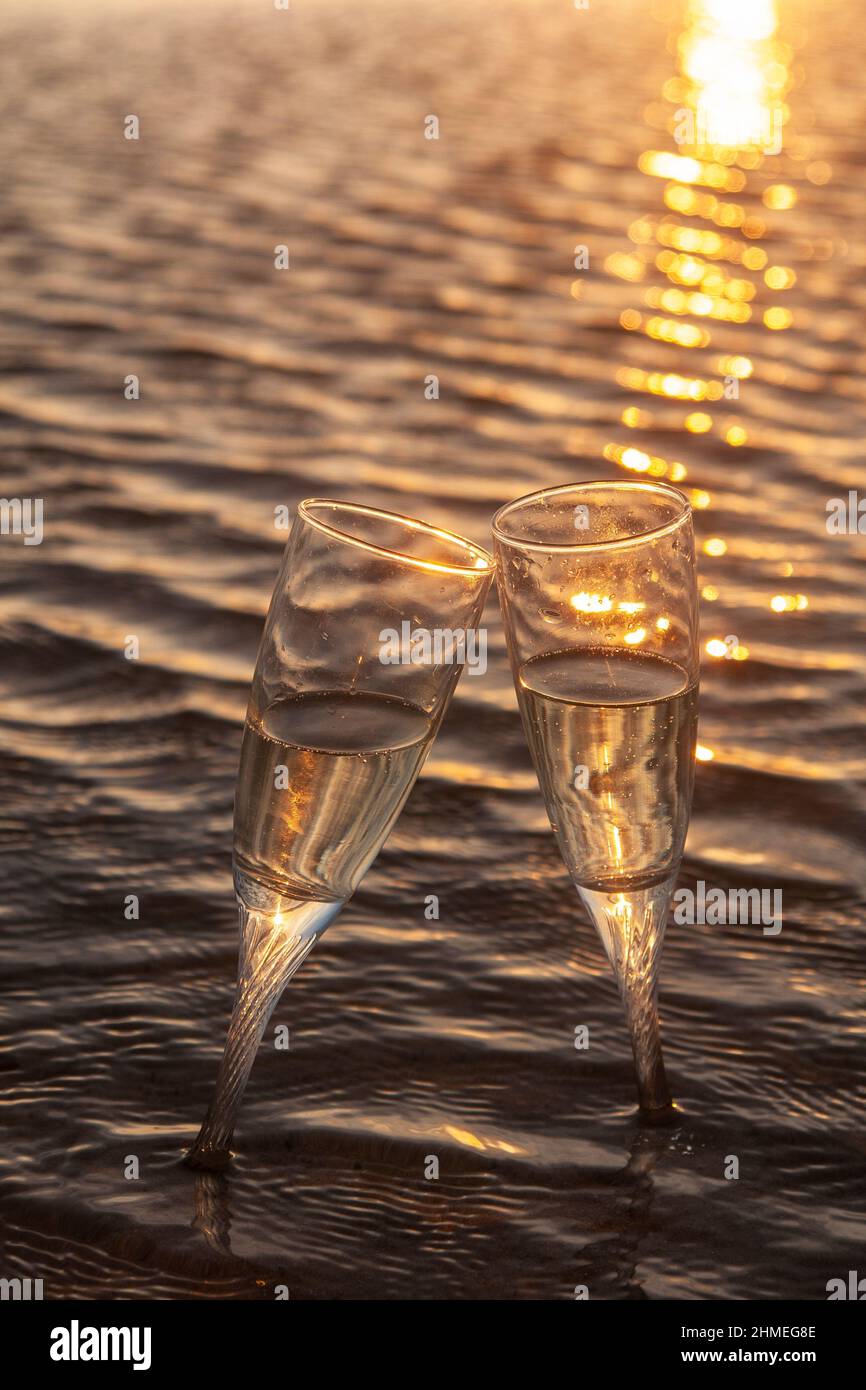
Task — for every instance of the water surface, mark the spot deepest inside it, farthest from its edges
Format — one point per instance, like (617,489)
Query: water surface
(411,258)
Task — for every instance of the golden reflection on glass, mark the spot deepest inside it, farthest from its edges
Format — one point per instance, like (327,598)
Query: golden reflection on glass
(591,603)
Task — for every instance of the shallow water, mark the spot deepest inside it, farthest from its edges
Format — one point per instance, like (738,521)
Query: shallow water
(411,1038)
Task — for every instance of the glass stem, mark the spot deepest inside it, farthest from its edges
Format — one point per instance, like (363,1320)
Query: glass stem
(272,947)
(632,927)
(642,1017)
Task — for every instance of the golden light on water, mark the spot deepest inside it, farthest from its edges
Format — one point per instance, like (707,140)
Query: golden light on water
(698,422)
(677,301)
(780,277)
(731,650)
(475,1141)
(669,331)
(694,239)
(641,231)
(703,281)
(663,165)
(639,462)
(819,172)
(681,198)
(736,366)
(735,77)
(670,384)
(625,267)
(754,227)
(778,318)
(779,196)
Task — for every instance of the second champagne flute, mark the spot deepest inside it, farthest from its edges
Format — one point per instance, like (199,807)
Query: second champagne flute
(364,642)
(598,590)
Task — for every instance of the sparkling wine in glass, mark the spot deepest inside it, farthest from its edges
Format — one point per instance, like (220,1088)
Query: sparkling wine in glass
(598,590)
(368,629)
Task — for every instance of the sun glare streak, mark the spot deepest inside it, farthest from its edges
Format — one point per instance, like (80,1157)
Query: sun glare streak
(696,262)
(736,77)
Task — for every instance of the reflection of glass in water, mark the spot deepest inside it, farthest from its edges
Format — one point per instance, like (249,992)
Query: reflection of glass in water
(322,778)
(631,720)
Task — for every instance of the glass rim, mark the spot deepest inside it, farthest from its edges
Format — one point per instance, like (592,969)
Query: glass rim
(616,484)
(306,509)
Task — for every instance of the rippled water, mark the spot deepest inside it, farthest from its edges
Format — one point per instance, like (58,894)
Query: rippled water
(411,257)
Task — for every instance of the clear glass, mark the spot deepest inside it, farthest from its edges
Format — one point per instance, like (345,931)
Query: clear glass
(598,589)
(369,626)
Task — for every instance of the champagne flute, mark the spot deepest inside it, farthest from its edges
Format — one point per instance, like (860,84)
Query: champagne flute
(346,699)
(598,590)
